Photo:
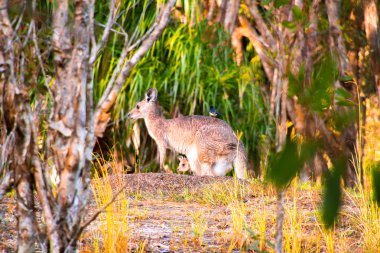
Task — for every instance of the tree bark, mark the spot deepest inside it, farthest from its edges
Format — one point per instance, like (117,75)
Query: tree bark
(311,39)
(68,127)
(17,123)
(372,30)
(232,10)
(336,40)
(337,44)
(24,178)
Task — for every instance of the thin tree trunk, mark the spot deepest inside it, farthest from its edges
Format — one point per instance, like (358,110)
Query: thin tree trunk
(232,10)
(24,179)
(280,212)
(311,39)
(336,41)
(222,11)
(372,30)
(15,120)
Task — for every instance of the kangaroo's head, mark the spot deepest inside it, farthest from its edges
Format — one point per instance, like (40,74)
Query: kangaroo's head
(146,106)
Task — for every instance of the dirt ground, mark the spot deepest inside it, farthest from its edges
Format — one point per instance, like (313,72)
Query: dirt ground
(162,220)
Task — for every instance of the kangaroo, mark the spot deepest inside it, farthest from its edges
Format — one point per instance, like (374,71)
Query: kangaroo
(210,144)
(184,165)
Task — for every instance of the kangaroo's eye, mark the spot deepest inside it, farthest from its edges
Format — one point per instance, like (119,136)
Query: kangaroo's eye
(137,107)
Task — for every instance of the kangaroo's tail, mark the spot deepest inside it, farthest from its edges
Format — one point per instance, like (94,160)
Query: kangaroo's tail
(240,162)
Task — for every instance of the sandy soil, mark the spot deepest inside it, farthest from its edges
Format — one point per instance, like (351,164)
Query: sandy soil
(163,223)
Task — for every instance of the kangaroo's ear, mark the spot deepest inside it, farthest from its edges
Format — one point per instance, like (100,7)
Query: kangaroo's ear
(151,95)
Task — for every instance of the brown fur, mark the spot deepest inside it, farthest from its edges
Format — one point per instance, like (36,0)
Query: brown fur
(206,141)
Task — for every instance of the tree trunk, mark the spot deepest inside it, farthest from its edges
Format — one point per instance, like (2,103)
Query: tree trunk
(16,121)
(24,178)
(336,41)
(73,125)
(372,30)
(231,14)
(69,119)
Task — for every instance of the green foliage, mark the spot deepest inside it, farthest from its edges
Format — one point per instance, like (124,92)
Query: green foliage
(287,163)
(193,69)
(343,97)
(279,3)
(332,195)
(376,182)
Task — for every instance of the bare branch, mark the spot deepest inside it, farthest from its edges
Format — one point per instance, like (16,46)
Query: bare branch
(123,33)
(260,46)
(108,99)
(211,10)
(231,15)
(222,11)
(261,25)
(106,32)
(91,24)
(18,25)
(116,72)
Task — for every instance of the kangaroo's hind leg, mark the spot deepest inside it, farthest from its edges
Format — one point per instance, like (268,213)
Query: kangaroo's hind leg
(221,167)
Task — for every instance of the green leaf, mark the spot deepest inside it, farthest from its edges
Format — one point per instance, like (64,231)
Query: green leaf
(345,102)
(346,78)
(290,25)
(297,13)
(342,96)
(279,3)
(285,165)
(343,93)
(265,2)
(333,193)
(376,182)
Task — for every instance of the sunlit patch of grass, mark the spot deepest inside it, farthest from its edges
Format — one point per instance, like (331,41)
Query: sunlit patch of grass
(329,240)
(198,225)
(366,218)
(246,221)
(238,217)
(114,232)
(293,227)
(141,247)
(258,226)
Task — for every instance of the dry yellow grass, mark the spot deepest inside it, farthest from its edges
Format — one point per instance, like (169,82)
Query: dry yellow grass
(231,215)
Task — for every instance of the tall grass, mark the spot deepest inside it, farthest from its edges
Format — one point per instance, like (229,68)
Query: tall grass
(114,232)
(193,68)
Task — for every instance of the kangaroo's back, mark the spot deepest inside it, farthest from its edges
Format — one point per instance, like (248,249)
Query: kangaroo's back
(205,132)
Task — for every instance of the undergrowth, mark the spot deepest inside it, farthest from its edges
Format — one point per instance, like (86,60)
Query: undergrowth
(235,215)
